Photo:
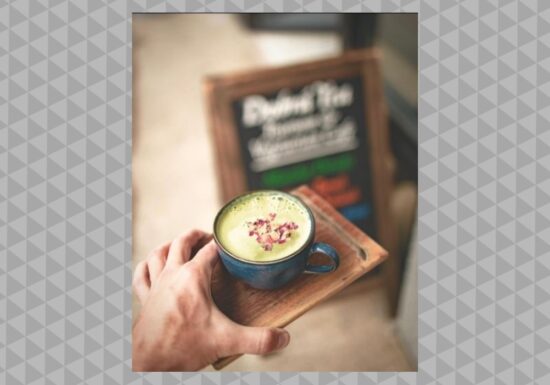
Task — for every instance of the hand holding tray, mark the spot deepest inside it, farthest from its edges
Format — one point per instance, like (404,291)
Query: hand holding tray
(253,307)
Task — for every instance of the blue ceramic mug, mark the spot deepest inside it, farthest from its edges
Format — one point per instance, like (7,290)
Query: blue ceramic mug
(277,273)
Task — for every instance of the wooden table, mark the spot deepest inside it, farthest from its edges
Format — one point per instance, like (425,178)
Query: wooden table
(277,308)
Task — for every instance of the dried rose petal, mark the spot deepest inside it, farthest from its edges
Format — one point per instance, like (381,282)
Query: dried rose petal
(268,233)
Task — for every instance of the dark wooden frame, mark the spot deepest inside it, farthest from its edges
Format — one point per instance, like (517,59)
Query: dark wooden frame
(221,91)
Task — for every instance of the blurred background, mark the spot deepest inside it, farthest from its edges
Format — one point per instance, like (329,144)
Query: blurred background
(174,180)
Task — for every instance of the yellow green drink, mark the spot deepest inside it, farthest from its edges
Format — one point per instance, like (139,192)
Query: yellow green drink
(263,226)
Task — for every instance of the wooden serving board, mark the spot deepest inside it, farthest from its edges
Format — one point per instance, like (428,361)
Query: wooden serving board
(248,306)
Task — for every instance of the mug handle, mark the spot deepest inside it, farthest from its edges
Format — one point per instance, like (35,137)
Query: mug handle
(320,247)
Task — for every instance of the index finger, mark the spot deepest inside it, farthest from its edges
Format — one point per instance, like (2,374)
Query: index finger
(180,249)
(207,257)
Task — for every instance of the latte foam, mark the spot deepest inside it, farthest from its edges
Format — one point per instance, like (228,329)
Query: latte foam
(263,226)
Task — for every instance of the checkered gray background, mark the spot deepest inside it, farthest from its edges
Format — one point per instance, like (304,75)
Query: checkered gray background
(65,192)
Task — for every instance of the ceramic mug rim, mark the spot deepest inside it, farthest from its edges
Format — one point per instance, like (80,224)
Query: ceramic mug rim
(306,244)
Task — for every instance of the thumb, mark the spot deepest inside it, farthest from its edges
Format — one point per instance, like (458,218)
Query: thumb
(254,340)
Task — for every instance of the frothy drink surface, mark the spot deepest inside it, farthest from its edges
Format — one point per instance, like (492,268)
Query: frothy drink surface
(263,227)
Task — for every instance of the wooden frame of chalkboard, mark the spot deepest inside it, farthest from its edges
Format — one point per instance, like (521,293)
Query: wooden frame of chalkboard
(222,91)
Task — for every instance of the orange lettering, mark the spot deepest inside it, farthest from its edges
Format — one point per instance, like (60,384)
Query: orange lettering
(351,196)
(327,186)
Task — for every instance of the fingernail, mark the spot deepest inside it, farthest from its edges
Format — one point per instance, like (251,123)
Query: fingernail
(283,339)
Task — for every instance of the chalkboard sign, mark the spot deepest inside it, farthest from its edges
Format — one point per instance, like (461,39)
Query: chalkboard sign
(320,123)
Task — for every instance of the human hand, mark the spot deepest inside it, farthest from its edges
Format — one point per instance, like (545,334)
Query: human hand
(179,327)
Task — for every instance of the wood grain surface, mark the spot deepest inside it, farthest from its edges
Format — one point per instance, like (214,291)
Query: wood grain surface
(248,306)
